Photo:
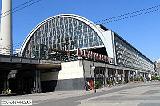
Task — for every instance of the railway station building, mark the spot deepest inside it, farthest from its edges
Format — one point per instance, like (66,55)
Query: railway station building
(85,51)
(73,51)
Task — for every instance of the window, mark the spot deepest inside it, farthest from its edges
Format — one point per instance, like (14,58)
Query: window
(54,32)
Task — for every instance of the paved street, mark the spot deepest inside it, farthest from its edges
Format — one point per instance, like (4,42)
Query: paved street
(145,95)
(132,94)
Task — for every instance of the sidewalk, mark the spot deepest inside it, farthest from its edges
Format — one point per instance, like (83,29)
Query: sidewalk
(140,94)
(57,95)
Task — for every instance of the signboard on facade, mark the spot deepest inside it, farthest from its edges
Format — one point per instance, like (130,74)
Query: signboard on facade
(86,54)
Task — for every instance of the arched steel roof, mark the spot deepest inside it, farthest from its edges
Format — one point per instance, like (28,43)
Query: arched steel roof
(80,18)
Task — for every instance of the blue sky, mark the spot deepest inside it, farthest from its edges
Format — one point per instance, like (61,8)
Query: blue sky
(143,32)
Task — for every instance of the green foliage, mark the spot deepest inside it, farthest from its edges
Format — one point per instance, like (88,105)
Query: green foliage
(153,78)
(141,79)
(120,82)
(98,84)
(6,91)
(110,82)
(156,78)
(131,79)
(136,79)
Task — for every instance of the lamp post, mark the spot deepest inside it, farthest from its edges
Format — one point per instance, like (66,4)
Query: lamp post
(93,69)
(67,47)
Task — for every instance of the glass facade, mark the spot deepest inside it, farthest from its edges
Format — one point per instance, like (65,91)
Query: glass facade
(127,56)
(61,33)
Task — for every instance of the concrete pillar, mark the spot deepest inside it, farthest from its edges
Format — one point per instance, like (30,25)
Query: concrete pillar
(145,77)
(136,73)
(116,75)
(129,75)
(37,81)
(123,75)
(6,28)
(106,75)
(132,75)
(6,83)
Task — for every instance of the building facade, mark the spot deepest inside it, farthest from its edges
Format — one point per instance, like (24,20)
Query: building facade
(157,66)
(86,51)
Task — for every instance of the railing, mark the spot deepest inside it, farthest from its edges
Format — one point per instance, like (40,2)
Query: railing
(18,59)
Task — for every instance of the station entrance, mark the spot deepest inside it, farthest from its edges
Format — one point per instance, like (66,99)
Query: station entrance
(99,74)
(22,83)
(18,78)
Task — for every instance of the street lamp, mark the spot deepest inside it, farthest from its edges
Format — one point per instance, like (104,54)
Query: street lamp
(67,46)
(93,69)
